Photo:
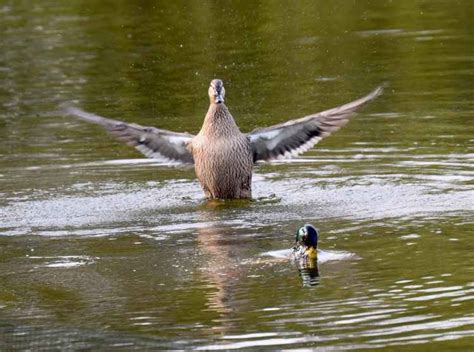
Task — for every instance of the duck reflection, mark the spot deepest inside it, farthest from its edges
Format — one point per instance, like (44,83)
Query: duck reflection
(222,270)
(309,271)
(226,262)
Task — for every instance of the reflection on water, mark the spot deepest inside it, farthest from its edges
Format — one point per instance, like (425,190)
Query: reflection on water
(222,271)
(101,250)
(309,272)
(308,268)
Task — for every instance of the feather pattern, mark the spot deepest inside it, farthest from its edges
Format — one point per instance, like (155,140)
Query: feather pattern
(223,157)
(295,137)
(152,142)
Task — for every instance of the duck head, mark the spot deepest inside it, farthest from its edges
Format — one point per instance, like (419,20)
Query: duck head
(216,91)
(307,241)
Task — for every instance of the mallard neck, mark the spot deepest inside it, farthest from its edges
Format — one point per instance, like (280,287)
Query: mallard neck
(219,122)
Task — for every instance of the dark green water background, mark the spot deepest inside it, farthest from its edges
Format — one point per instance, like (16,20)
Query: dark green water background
(100,249)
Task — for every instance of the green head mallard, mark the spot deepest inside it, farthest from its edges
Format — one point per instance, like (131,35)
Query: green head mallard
(306,242)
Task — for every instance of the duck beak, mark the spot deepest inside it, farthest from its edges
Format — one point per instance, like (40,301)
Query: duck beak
(219,99)
(311,252)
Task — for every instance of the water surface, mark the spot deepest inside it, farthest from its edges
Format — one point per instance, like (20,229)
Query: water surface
(102,249)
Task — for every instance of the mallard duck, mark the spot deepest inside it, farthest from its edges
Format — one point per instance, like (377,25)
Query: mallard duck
(224,157)
(306,243)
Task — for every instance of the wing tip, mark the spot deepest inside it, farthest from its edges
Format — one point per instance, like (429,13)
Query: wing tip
(377,91)
(69,109)
(66,108)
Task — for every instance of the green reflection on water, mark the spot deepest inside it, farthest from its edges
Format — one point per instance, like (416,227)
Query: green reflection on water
(145,282)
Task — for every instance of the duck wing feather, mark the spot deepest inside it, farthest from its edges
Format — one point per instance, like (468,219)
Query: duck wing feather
(155,143)
(295,137)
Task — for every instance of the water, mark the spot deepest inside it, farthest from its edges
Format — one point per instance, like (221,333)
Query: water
(101,249)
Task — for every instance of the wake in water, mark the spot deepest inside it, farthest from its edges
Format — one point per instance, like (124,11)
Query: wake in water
(308,268)
(323,255)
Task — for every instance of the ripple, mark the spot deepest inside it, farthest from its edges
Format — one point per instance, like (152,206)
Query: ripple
(363,197)
(437,296)
(254,343)
(423,338)
(410,236)
(323,255)
(67,261)
(444,324)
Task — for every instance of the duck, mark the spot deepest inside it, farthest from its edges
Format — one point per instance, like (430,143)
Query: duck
(222,155)
(306,243)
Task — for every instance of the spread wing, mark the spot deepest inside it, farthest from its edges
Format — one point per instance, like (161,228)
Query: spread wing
(153,142)
(297,136)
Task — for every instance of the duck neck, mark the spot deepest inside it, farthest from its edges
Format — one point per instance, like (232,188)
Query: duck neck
(219,122)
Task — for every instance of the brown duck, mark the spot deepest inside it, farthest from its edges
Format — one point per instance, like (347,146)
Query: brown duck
(223,157)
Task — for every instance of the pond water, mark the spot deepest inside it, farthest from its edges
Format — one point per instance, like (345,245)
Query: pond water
(102,249)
